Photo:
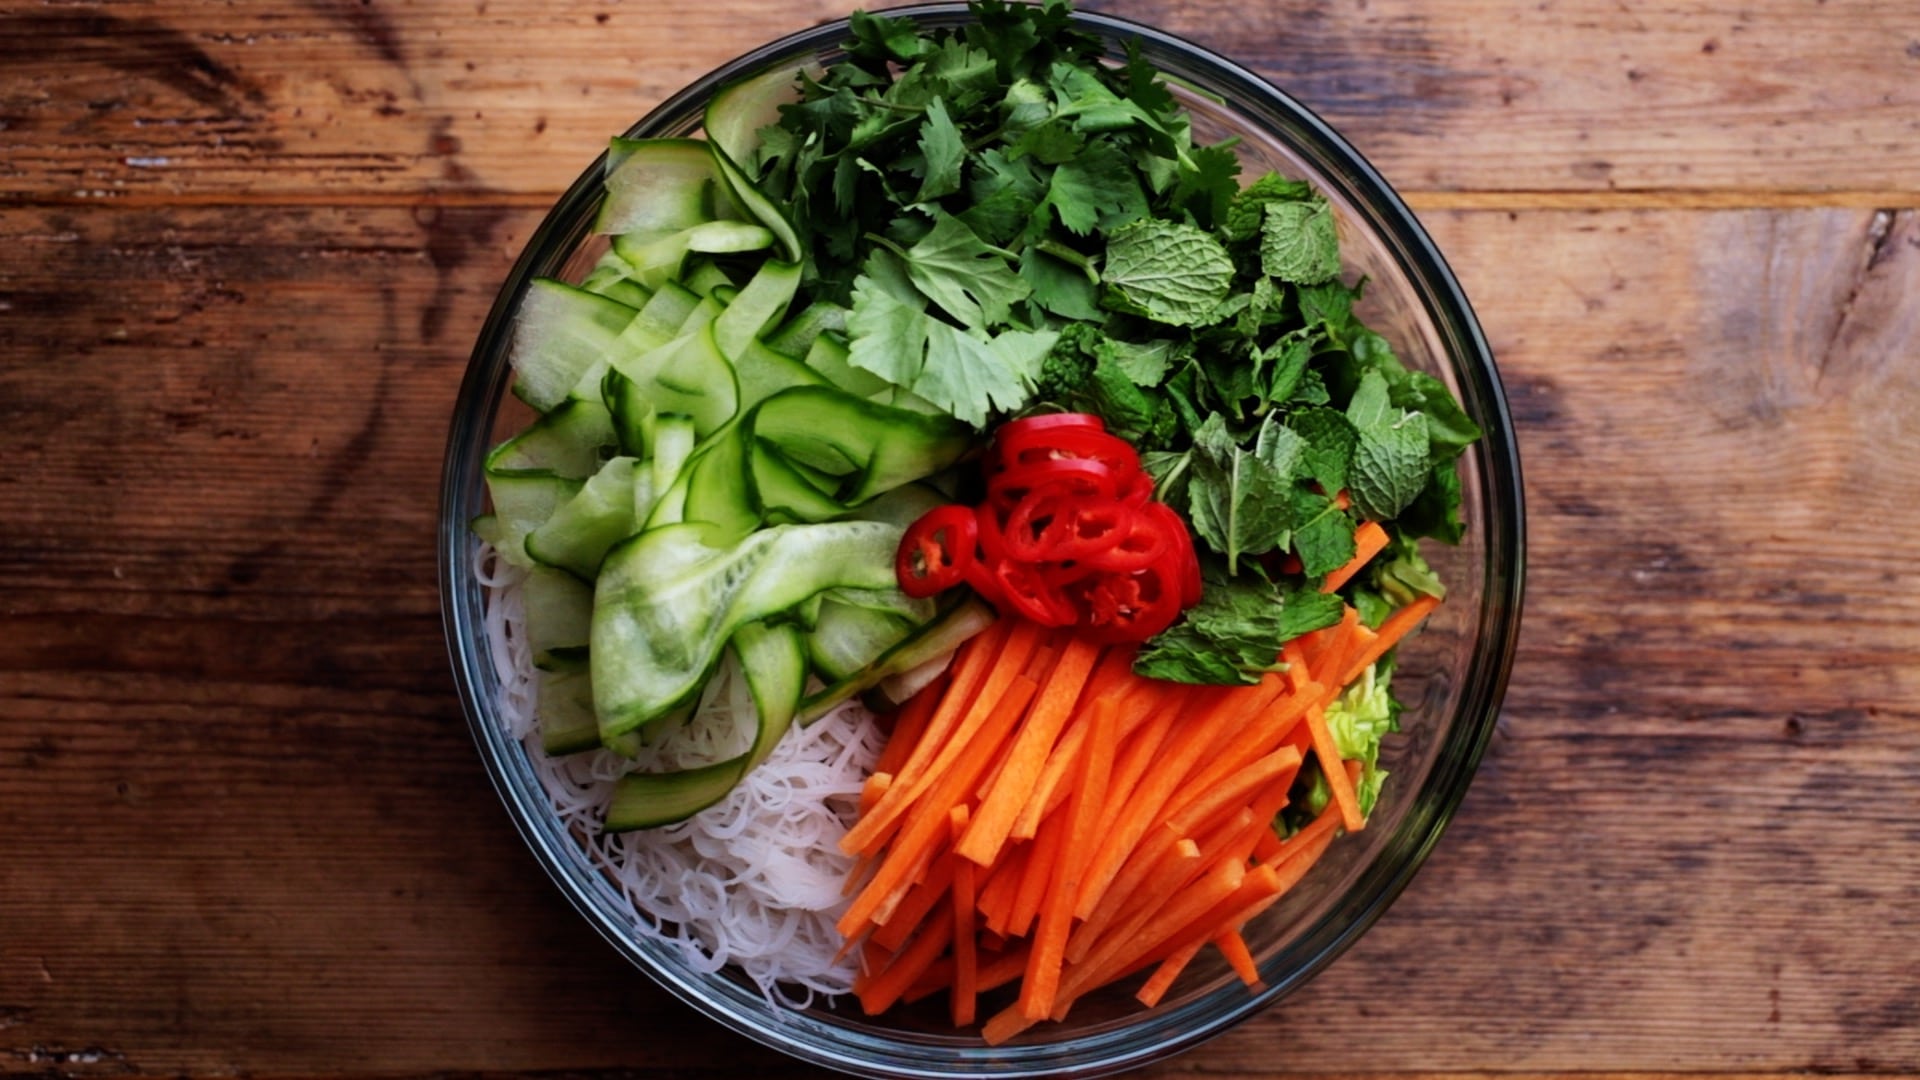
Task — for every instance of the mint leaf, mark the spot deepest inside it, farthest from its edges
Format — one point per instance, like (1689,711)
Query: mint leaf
(1330,440)
(943,149)
(1238,504)
(1298,244)
(1448,425)
(1390,466)
(969,280)
(1174,273)
(1235,633)
(1247,210)
(1435,511)
(1322,533)
(1280,447)
(1370,405)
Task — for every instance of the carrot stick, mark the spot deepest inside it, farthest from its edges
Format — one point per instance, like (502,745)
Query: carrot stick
(923,829)
(969,700)
(1121,950)
(1397,626)
(1049,792)
(1056,913)
(1233,948)
(998,892)
(994,973)
(913,908)
(994,819)
(1195,735)
(1368,540)
(1162,978)
(909,725)
(1309,835)
(1336,774)
(965,960)
(890,982)
(1042,866)
(1211,802)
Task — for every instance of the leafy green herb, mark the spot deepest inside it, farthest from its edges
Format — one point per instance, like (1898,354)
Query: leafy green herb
(1170,272)
(1236,632)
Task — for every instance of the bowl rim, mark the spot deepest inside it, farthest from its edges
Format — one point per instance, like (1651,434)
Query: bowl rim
(1154,1034)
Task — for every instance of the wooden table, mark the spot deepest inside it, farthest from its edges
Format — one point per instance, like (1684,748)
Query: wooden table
(244,251)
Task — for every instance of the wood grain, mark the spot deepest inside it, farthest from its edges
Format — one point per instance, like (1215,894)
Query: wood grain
(245,249)
(513,98)
(245,831)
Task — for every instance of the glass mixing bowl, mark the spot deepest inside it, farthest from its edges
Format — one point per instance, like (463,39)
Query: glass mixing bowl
(1452,675)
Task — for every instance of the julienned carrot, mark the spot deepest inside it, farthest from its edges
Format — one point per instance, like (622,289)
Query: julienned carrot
(965,958)
(1056,912)
(1341,787)
(1058,821)
(1028,758)
(891,873)
(1368,540)
(1233,948)
(967,703)
(1397,625)
(909,725)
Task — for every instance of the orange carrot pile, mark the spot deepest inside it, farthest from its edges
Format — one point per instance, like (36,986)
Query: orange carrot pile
(1043,815)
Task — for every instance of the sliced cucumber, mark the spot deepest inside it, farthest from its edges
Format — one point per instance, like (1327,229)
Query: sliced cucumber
(760,303)
(716,480)
(522,502)
(687,376)
(657,187)
(559,333)
(845,638)
(584,527)
(797,335)
(763,373)
(775,663)
(736,112)
(563,702)
(903,505)
(935,639)
(668,600)
(757,205)
(570,441)
(704,277)
(877,446)
(782,493)
(559,613)
(828,356)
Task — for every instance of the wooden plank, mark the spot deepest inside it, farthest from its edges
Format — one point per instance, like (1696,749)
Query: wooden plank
(244,830)
(512,99)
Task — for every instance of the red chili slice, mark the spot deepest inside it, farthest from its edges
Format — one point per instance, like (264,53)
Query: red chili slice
(1025,589)
(1186,561)
(1081,478)
(1145,541)
(1131,607)
(1067,444)
(936,551)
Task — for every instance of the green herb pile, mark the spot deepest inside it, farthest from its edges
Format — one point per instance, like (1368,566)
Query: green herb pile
(1002,220)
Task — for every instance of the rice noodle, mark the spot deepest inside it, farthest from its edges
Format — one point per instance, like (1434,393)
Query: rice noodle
(754,880)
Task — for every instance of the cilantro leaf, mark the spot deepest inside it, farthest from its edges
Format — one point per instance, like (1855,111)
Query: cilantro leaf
(1174,273)
(966,376)
(969,280)
(886,334)
(1298,244)
(1096,189)
(1060,286)
(943,150)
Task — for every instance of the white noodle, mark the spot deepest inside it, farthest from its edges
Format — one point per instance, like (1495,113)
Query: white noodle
(754,880)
